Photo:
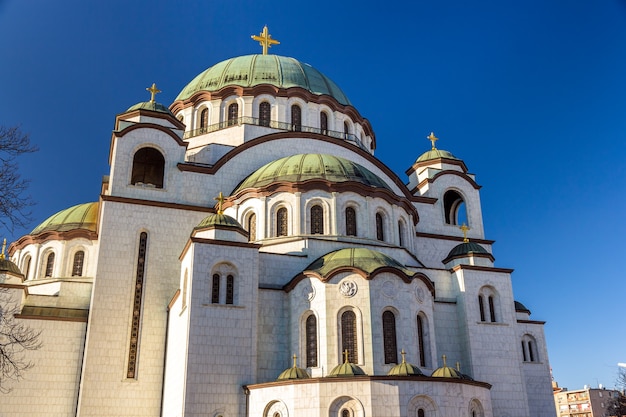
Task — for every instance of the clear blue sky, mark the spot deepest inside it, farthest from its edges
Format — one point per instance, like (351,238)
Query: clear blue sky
(530,94)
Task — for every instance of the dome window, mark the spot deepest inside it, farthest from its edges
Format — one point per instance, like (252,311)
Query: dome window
(323,123)
(346,130)
(264,114)
(317,220)
(454,208)
(296,118)
(350,221)
(26,267)
(281,222)
(233,114)
(204,120)
(148,168)
(380,232)
(49,265)
(77,266)
(252,227)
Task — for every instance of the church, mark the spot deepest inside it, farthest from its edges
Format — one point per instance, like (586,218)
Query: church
(248,255)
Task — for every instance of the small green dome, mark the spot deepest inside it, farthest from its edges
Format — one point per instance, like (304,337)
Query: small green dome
(215,219)
(82,216)
(293,373)
(447,372)
(519,307)
(252,70)
(152,106)
(8,266)
(367,260)
(404,369)
(467,248)
(304,167)
(346,369)
(435,154)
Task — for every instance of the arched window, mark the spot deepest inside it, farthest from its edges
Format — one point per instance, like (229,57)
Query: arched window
(492,311)
(311,341)
(401,237)
(233,114)
(323,123)
(481,307)
(204,119)
(454,208)
(49,265)
(389,337)
(421,413)
(230,289)
(264,113)
(26,267)
(350,222)
(380,235)
(296,118)
(281,222)
(345,413)
(215,289)
(252,227)
(346,130)
(349,336)
(148,168)
(317,220)
(529,349)
(421,341)
(77,267)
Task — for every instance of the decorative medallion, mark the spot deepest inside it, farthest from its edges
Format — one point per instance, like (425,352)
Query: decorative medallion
(389,289)
(348,288)
(308,291)
(419,294)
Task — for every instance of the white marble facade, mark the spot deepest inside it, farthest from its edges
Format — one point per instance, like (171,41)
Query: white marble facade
(180,309)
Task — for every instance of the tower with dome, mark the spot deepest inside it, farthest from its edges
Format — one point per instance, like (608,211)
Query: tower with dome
(248,255)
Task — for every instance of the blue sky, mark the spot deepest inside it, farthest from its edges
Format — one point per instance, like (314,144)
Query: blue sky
(530,94)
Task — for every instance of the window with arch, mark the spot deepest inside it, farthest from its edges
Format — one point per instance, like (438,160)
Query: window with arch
(204,119)
(230,289)
(252,227)
(317,220)
(389,337)
(77,265)
(401,233)
(296,118)
(49,265)
(26,266)
(311,341)
(481,307)
(264,113)
(380,232)
(345,413)
(233,113)
(454,208)
(488,305)
(148,168)
(492,310)
(323,123)
(349,336)
(350,221)
(281,222)
(529,349)
(421,413)
(423,341)
(346,130)
(476,409)
(215,289)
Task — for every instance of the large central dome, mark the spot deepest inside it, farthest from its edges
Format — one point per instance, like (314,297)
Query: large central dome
(252,70)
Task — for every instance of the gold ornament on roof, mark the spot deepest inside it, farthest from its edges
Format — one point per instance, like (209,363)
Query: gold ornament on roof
(4,246)
(220,203)
(153,92)
(403,353)
(345,355)
(432,138)
(464,229)
(265,40)
(294,360)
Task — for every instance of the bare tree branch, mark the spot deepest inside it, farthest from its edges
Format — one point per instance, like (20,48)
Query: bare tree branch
(14,203)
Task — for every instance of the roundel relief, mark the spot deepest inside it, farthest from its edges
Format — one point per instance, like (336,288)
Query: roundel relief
(308,291)
(420,294)
(389,288)
(348,288)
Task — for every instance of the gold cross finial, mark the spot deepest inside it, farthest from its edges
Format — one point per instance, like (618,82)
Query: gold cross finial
(4,246)
(220,203)
(402,352)
(294,360)
(464,228)
(265,40)
(345,355)
(153,92)
(444,360)
(458,366)
(432,138)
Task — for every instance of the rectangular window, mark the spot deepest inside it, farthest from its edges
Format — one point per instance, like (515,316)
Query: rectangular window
(215,291)
(230,290)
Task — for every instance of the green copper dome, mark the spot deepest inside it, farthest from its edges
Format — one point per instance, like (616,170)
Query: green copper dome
(293,373)
(304,167)
(367,260)
(218,220)
(8,266)
(252,70)
(404,369)
(467,248)
(152,106)
(346,369)
(82,216)
(435,154)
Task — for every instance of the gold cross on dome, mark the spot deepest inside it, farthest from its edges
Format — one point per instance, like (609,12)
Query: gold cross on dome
(345,355)
(294,360)
(4,246)
(464,229)
(265,40)
(432,138)
(153,92)
(220,203)
(402,352)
